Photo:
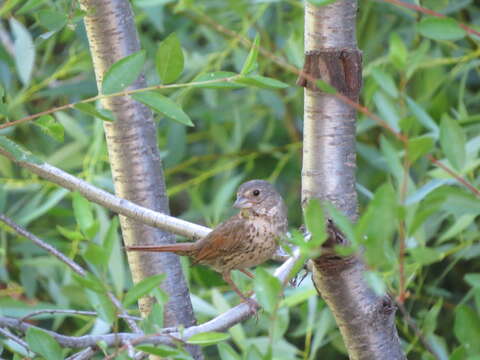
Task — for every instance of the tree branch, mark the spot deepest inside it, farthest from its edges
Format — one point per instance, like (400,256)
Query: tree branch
(222,322)
(116,204)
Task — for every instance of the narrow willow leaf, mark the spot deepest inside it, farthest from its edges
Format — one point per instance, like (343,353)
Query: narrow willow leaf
(43,344)
(267,288)
(261,82)
(142,288)
(422,116)
(251,61)
(17,152)
(169,59)
(51,127)
(90,282)
(52,20)
(385,81)
(452,140)
(102,114)
(160,350)
(24,51)
(315,221)
(217,75)
(440,29)
(28,6)
(398,52)
(419,146)
(83,212)
(163,105)
(321,2)
(326,87)
(124,72)
(208,338)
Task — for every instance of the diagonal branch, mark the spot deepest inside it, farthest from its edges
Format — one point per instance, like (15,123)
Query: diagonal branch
(104,198)
(222,322)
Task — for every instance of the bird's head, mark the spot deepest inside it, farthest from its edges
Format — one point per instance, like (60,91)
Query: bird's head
(259,196)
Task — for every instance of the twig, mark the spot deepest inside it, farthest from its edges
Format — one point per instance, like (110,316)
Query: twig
(220,323)
(120,93)
(431,13)
(9,335)
(411,323)
(119,205)
(84,354)
(71,312)
(49,248)
(70,263)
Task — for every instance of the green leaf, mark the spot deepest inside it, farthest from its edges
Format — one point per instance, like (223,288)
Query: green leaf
(90,282)
(164,106)
(440,29)
(208,338)
(142,288)
(83,212)
(43,344)
(467,328)
(261,82)
(52,20)
(51,127)
(24,51)
(473,280)
(267,288)
(160,350)
(103,306)
(321,2)
(422,116)
(251,61)
(398,52)
(425,255)
(376,282)
(326,87)
(385,81)
(388,109)
(17,152)
(419,146)
(216,76)
(96,254)
(452,140)
(102,114)
(315,222)
(169,59)
(28,6)
(123,73)
(227,353)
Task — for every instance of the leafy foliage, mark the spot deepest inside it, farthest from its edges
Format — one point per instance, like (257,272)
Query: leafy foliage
(420,76)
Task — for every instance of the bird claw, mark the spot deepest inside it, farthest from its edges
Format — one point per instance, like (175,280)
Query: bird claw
(253,306)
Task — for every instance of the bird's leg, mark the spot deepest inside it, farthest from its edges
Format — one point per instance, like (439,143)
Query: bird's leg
(251,276)
(248,273)
(252,304)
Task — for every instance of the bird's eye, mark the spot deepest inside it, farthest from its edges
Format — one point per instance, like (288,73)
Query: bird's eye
(256,192)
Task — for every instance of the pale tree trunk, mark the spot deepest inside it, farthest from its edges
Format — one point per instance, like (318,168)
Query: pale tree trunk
(366,320)
(134,158)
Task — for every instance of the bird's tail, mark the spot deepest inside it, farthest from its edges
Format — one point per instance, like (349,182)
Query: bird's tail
(179,249)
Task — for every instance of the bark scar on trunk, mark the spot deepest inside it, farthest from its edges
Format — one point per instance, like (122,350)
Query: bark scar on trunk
(340,68)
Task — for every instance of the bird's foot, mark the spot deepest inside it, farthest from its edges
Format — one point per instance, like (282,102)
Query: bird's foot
(252,305)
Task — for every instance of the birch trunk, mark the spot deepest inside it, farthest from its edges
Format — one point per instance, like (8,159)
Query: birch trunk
(366,321)
(134,158)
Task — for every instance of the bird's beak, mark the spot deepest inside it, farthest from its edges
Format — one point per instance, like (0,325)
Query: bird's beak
(242,203)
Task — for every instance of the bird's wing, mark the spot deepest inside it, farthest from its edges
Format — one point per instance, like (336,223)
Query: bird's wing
(226,237)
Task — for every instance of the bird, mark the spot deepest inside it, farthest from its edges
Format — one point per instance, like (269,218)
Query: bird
(245,240)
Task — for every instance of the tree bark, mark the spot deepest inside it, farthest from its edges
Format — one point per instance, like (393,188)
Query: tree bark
(135,160)
(366,320)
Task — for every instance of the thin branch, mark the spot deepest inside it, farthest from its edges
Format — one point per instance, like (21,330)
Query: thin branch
(222,322)
(120,93)
(47,247)
(411,323)
(84,354)
(5,332)
(71,312)
(431,13)
(70,263)
(104,198)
